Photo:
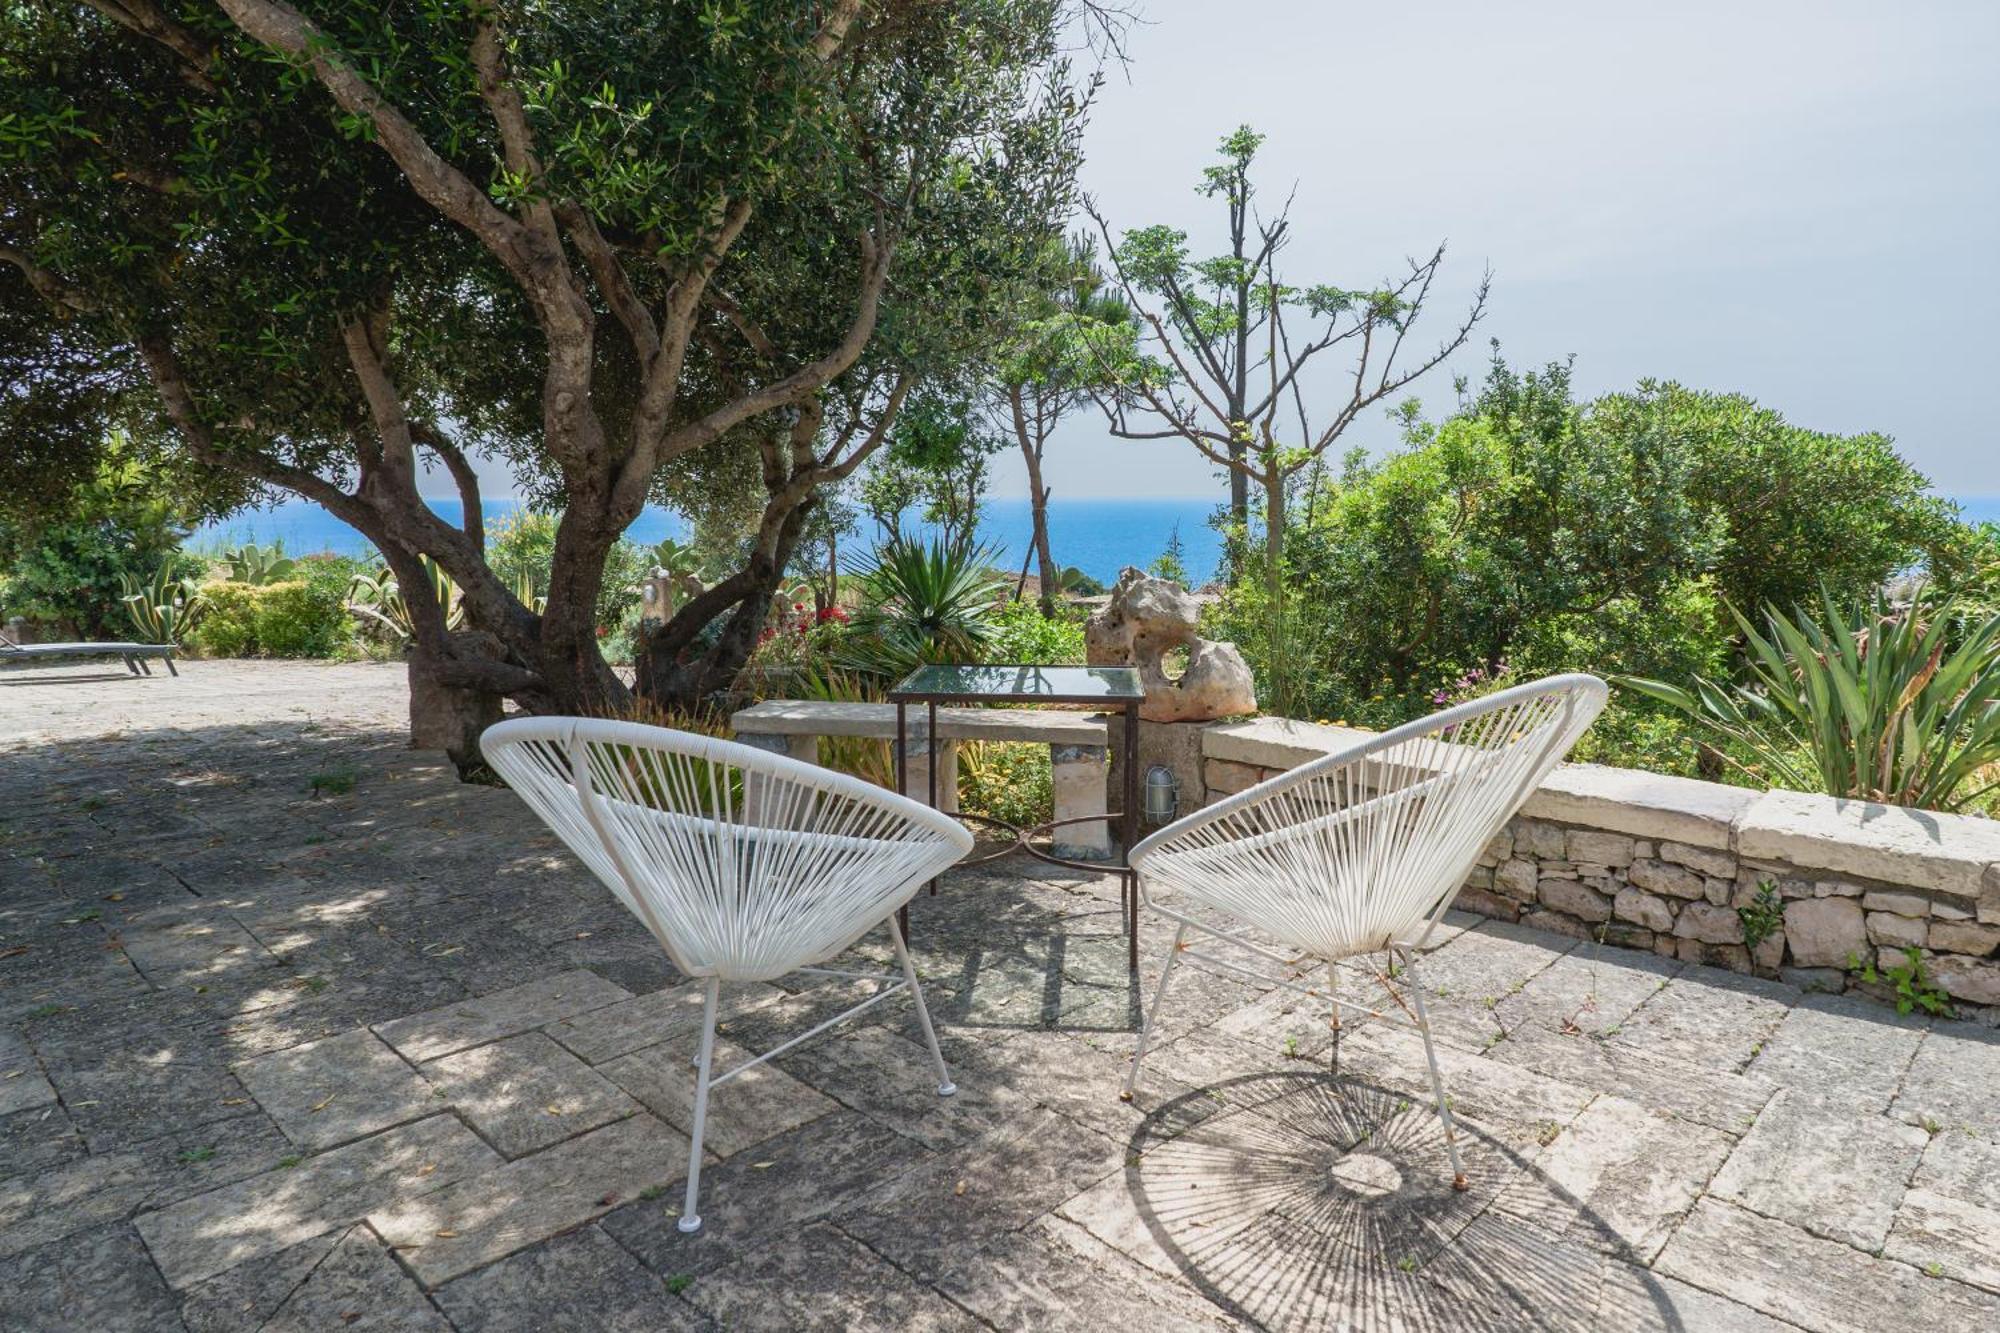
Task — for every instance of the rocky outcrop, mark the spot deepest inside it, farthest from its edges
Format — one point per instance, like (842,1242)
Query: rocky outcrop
(1145,620)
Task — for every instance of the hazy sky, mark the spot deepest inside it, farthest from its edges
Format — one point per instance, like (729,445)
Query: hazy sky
(1794,199)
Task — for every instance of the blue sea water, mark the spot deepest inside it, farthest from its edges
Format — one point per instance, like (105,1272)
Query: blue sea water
(1097,536)
(1100,537)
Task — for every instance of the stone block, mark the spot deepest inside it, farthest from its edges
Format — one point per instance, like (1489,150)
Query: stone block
(1833,1172)
(1226,777)
(1642,908)
(1566,895)
(917,772)
(1825,932)
(1627,937)
(803,748)
(202,1236)
(470,1223)
(1944,853)
(1733,957)
(1498,849)
(1472,899)
(1544,842)
(1645,805)
(1556,923)
(1516,879)
(1665,877)
(759,1104)
(1824,980)
(1964,937)
(339,1088)
(1718,891)
(1706,860)
(1709,924)
(1897,932)
(502,1013)
(1902,904)
(526,1093)
(1599,848)
(1835,888)
(1971,980)
(1078,777)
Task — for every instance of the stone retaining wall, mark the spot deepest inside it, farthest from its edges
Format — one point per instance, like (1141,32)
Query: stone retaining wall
(1675,866)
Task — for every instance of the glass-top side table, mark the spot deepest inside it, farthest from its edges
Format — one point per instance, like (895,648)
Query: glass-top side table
(1110,687)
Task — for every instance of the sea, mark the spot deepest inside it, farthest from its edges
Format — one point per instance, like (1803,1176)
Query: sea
(1099,537)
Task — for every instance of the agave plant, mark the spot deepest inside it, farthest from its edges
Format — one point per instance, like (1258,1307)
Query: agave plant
(251,563)
(921,602)
(164,607)
(379,598)
(1883,703)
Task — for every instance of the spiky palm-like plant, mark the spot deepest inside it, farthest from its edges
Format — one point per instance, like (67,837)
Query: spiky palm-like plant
(922,602)
(1881,702)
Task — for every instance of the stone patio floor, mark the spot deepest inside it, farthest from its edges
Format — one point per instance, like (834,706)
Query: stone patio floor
(298,1032)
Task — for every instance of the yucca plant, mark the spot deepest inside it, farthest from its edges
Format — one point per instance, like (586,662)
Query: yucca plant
(164,607)
(1899,704)
(921,602)
(379,598)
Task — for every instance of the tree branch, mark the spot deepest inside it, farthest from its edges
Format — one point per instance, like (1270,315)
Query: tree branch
(145,18)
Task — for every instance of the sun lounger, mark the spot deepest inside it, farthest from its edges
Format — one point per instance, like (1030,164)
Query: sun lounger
(133,654)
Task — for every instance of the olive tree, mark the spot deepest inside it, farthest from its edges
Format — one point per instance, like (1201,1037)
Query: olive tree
(628,246)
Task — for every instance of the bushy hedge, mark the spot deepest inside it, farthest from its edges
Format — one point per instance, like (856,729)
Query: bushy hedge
(297,618)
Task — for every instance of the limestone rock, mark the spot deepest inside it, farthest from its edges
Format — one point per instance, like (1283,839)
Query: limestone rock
(1566,895)
(1668,878)
(1902,904)
(1642,908)
(1596,848)
(1825,931)
(1516,879)
(1709,924)
(1964,937)
(1148,618)
(1975,981)
(1901,932)
(1703,859)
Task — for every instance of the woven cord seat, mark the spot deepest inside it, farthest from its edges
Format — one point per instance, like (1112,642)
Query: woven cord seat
(744,865)
(1360,852)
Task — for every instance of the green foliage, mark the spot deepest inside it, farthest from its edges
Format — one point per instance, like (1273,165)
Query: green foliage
(1020,633)
(304,617)
(1762,915)
(921,602)
(111,533)
(1006,781)
(1879,702)
(935,466)
(1171,563)
(165,607)
(378,599)
(1910,980)
(1529,534)
(254,564)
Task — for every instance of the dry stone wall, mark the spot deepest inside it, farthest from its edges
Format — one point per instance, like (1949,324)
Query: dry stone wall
(1679,867)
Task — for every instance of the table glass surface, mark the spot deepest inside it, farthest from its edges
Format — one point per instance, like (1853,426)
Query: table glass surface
(1074,683)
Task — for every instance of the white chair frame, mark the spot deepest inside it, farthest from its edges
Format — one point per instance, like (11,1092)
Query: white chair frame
(1361,852)
(744,865)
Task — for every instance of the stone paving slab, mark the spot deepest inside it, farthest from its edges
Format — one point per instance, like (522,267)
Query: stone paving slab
(211,949)
(340,1088)
(202,1236)
(525,1093)
(422,1037)
(487,1216)
(1833,1173)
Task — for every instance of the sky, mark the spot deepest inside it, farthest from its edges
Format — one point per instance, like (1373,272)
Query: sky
(1798,201)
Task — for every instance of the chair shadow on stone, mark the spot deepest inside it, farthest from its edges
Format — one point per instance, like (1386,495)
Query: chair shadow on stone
(1318,1200)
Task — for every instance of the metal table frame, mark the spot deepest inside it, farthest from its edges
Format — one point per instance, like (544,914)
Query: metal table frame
(1127,817)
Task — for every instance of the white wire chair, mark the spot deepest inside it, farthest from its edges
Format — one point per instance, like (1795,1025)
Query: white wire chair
(1362,851)
(744,865)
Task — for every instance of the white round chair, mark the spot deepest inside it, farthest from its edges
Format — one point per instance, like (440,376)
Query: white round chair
(1362,851)
(744,865)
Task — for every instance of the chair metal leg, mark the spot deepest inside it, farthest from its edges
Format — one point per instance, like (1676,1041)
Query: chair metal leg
(945,1086)
(168,658)
(1153,1017)
(1458,1181)
(691,1219)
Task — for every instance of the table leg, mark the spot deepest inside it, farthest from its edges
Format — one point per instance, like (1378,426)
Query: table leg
(930,748)
(900,763)
(1131,829)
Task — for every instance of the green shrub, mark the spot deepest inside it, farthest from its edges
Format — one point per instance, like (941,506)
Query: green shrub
(296,618)
(1007,781)
(1021,633)
(229,627)
(301,618)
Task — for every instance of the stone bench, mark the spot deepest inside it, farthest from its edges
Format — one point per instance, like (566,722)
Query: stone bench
(1077,750)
